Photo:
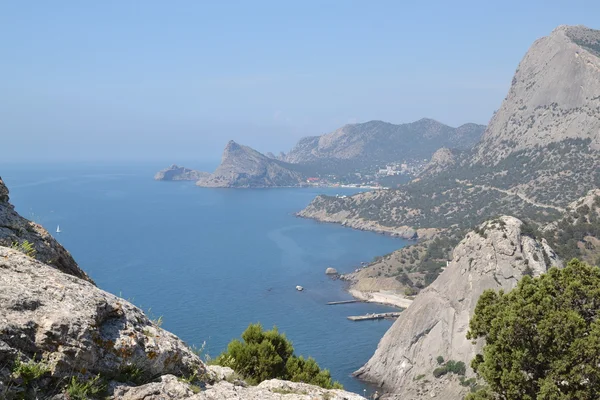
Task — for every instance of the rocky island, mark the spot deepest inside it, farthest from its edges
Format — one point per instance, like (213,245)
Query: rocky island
(176,173)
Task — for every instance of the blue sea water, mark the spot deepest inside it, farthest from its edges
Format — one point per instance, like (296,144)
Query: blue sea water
(210,261)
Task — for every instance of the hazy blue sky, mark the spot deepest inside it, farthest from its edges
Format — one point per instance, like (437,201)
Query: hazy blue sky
(177,80)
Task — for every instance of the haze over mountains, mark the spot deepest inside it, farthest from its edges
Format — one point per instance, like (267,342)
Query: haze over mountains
(353,147)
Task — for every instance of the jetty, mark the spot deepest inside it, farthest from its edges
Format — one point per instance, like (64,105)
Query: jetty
(367,317)
(333,303)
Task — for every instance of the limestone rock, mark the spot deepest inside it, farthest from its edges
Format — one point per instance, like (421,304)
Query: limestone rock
(555,95)
(15,229)
(244,167)
(176,173)
(76,327)
(331,271)
(170,388)
(496,256)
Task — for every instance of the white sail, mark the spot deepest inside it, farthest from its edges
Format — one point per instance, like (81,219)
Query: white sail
(58,229)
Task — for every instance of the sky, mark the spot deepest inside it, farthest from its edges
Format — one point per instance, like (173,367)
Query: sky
(158,80)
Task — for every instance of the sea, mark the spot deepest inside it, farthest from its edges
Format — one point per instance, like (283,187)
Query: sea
(208,262)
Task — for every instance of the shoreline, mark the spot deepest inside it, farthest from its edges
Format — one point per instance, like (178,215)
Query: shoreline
(383,297)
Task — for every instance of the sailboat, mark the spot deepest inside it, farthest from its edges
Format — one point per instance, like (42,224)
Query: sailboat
(57,228)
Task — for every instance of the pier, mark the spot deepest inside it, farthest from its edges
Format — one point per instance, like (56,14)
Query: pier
(374,316)
(333,303)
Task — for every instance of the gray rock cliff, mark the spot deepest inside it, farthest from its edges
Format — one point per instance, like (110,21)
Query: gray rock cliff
(243,167)
(15,230)
(555,95)
(436,323)
(176,173)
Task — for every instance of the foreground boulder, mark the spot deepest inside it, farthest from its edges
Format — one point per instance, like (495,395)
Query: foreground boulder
(76,328)
(16,230)
(494,256)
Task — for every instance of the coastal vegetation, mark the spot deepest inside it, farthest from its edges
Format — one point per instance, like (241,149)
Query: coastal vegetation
(262,355)
(542,338)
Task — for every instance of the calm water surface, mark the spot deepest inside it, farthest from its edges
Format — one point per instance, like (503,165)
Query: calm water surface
(210,261)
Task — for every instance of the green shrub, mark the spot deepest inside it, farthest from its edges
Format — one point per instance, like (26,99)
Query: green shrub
(456,367)
(30,371)
(440,371)
(263,355)
(84,390)
(25,247)
(440,360)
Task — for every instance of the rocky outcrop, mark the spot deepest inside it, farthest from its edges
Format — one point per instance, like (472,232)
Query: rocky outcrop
(378,141)
(176,173)
(441,160)
(73,326)
(495,256)
(16,230)
(170,388)
(243,167)
(555,95)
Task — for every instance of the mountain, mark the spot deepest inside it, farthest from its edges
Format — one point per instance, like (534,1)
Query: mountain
(243,167)
(176,173)
(554,96)
(494,256)
(539,153)
(382,142)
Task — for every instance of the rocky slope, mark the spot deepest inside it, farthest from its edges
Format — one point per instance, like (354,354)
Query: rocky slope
(176,173)
(555,95)
(495,256)
(16,230)
(381,142)
(243,167)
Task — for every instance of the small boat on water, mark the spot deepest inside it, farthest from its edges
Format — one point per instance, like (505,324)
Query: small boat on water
(299,288)
(58,229)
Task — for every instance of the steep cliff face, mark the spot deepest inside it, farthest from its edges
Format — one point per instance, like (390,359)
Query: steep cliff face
(15,230)
(555,95)
(495,256)
(244,167)
(377,141)
(176,173)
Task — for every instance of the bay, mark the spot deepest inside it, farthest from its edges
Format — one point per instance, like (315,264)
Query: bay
(210,261)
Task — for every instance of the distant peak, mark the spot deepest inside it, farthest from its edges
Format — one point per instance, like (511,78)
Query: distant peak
(232,145)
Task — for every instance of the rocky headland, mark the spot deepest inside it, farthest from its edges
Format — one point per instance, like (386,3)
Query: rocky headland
(243,167)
